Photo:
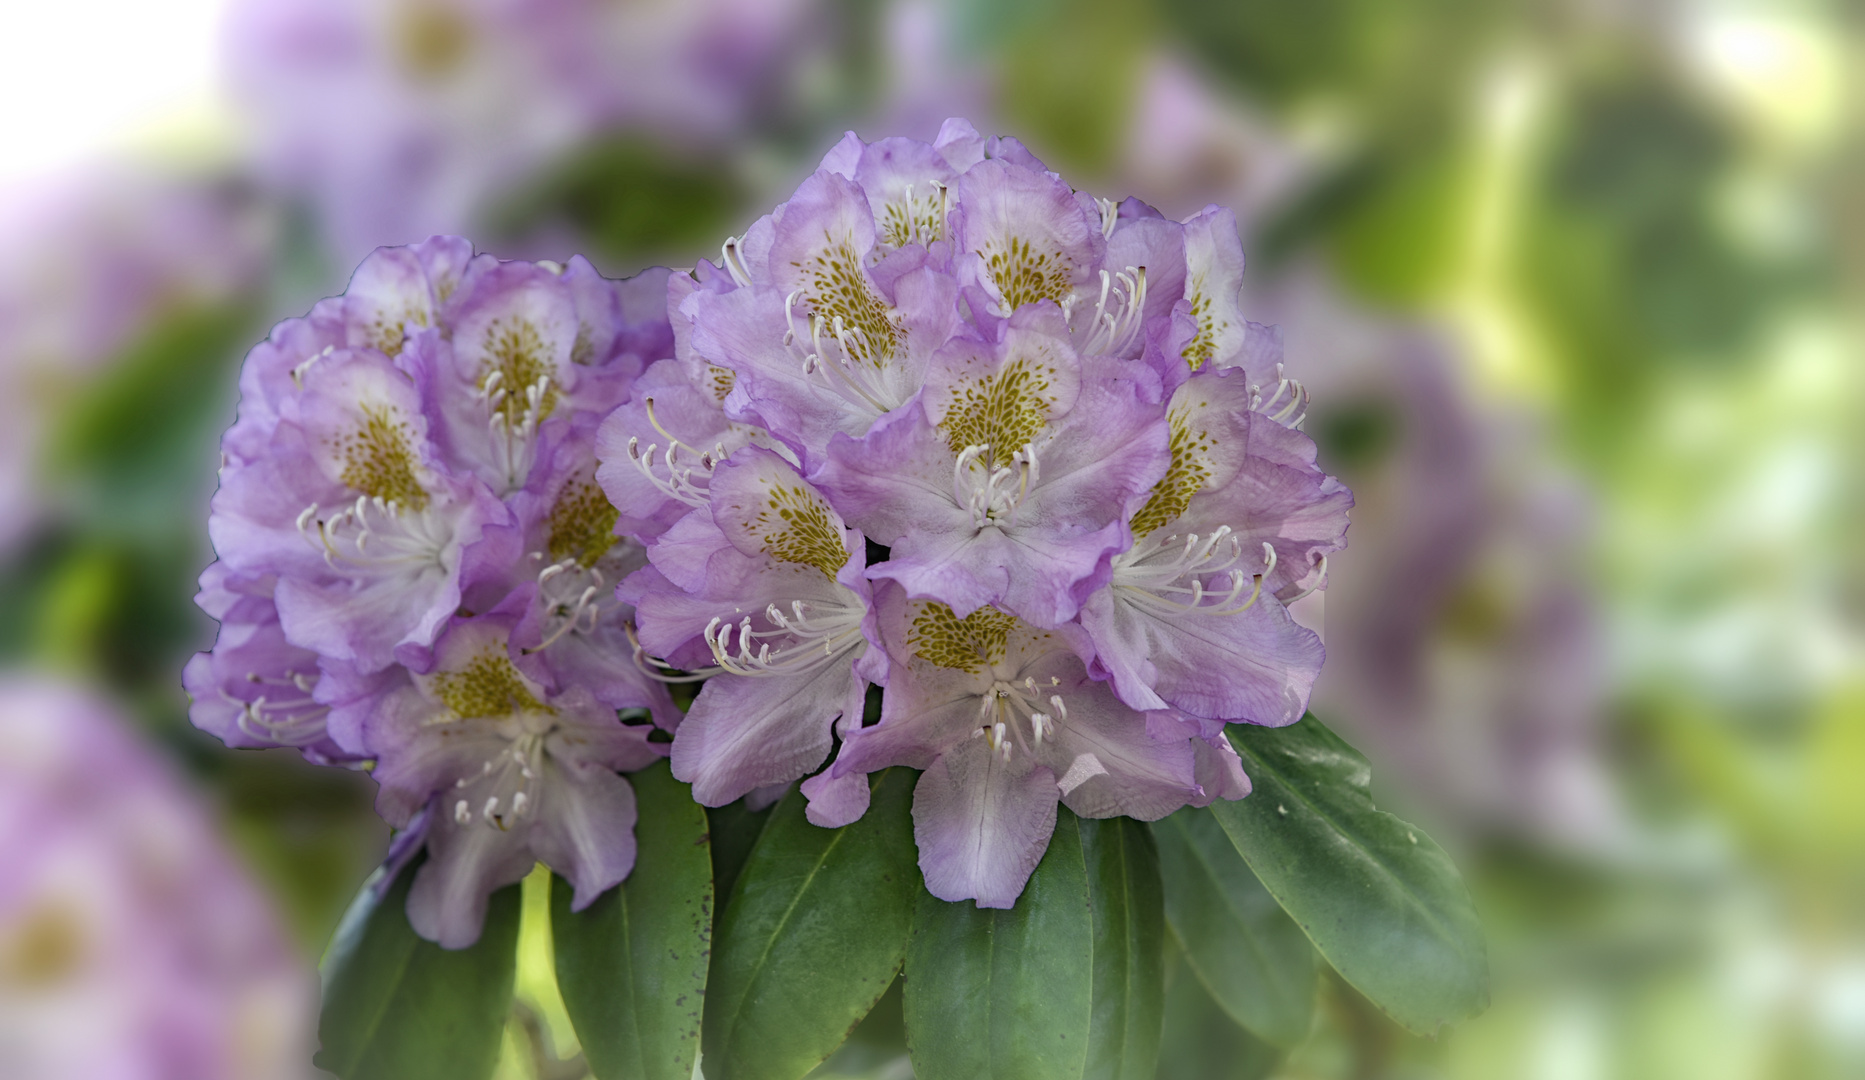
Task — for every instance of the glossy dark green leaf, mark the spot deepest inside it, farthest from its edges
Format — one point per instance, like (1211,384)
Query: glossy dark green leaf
(632,965)
(401,1008)
(813,934)
(1006,994)
(1382,902)
(878,1045)
(1246,950)
(734,830)
(1202,1042)
(1125,895)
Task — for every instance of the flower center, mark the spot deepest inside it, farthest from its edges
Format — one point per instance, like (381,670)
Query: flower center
(376,536)
(1184,478)
(506,788)
(1203,345)
(839,295)
(1006,409)
(1015,715)
(794,525)
(582,522)
(1026,273)
(569,594)
(915,218)
(854,362)
(993,493)
(487,686)
(971,644)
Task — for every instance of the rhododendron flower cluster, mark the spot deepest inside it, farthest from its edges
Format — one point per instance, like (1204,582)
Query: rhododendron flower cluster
(942,424)
(417,568)
(939,424)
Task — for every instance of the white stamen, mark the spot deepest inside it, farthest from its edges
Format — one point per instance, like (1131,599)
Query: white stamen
(732,255)
(1321,579)
(1159,568)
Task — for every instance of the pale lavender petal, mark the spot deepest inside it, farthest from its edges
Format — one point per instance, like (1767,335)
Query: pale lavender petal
(743,732)
(465,865)
(586,827)
(1219,770)
(1025,237)
(959,143)
(1106,763)
(1214,274)
(982,823)
(1257,666)
(835,801)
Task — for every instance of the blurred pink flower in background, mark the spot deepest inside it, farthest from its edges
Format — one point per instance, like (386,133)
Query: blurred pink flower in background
(399,120)
(1187,145)
(132,944)
(1466,652)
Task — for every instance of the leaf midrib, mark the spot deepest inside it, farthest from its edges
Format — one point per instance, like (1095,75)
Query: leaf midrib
(1131,932)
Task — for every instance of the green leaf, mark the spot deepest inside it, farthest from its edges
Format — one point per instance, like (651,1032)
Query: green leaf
(1125,895)
(1006,994)
(1202,1042)
(734,831)
(878,1045)
(1240,943)
(401,1008)
(1382,902)
(632,965)
(814,932)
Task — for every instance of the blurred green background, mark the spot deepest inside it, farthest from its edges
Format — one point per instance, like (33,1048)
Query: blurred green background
(1576,284)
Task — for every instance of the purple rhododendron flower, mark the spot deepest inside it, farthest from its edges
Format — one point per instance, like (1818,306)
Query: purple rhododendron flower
(1086,466)
(1006,722)
(769,580)
(1008,486)
(511,770)
(413,464)
(256,688)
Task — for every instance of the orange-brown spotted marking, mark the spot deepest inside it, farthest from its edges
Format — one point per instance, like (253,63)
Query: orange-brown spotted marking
(971,644)
(379,460)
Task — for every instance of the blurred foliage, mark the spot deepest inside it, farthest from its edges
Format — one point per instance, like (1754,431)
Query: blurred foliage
(634,204)
(1625,264)
(134,452)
